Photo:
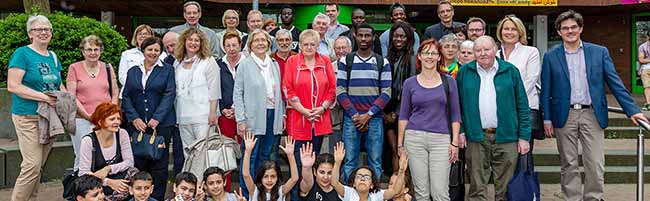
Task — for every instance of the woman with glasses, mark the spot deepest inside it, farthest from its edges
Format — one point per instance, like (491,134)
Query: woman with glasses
(93,82)
(33,70)
(259,108)
(430,113)
(230,21)
(449,53)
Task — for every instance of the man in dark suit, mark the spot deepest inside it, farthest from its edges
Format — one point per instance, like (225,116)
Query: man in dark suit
(573,100)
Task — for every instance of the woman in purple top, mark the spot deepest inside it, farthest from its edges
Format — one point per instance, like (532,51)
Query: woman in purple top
(424,124)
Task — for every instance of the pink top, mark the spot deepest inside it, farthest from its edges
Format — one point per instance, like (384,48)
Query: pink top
(90,91)
(86,151)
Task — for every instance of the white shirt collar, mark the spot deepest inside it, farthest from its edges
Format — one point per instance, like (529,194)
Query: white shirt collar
(495,66)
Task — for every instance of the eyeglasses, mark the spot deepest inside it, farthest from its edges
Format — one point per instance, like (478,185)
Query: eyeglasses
(92,50)
(429,53)
(363,177)
(144,34)
(567,29)
(475,30)
(42,30)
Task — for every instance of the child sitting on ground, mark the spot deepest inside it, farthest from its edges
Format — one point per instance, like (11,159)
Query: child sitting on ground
(88,188)
(142,187)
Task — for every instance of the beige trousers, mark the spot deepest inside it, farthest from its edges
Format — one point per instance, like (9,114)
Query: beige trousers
(429,164)
(581,128)
(34,156)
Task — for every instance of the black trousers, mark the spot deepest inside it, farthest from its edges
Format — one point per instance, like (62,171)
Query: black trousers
(158,168)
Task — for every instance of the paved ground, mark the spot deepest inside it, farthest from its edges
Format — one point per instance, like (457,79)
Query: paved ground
(550,192)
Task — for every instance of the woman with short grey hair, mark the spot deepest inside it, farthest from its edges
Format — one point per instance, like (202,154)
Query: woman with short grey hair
(33,70)
(466,53)
(449,53)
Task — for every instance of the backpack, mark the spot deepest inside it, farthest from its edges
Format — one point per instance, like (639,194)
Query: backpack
(349,60)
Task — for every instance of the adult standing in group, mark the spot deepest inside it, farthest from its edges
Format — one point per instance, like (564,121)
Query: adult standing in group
(33,70)
(363,90)
(644,66)
(511,32)
(359,16)
(446,25)
(192,15)
(198,87)
(230,21)
(253,22)
(495,116)
(170,40)
(325,45)
(343,47)
(397,14)
(284,39)
(466,53)
(228,65)
(401,57)
(574,105)
(258,75)
(475,28)
(134,56)
(335,28)
(449,53)
(148,104)
(287,16)
(93,82)
(430,112)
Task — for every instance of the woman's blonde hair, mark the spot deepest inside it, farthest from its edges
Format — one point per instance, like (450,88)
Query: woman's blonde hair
(134,40)
(91,40)
(309,33)
(228,12)
(521,29)
(204,51)
(251,38)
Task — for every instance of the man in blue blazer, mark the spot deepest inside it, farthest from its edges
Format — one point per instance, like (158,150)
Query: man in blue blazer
(573,100)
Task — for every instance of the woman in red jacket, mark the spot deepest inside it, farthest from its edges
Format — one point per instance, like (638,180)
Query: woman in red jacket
(309,85)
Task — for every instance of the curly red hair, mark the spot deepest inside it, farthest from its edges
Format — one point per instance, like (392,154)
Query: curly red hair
(103,111)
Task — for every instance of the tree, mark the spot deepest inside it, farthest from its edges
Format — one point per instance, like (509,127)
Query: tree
(42,6)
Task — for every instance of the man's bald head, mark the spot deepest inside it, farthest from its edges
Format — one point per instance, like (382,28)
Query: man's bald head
(170,39)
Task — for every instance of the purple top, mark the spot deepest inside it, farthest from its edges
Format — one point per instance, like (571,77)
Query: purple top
(426,109)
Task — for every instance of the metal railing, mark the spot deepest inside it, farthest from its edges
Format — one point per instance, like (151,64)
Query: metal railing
(639,152)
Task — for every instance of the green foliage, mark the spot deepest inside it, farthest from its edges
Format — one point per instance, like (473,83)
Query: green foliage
(67,33)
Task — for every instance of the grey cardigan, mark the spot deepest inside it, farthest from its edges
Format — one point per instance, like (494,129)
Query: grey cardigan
(248,97)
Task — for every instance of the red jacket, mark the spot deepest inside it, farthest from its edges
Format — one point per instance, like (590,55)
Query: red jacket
(312,88)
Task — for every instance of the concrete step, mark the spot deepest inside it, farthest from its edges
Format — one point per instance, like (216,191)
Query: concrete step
(613,174)
(551,157)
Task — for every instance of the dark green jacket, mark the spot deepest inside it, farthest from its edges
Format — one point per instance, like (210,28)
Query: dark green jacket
(512,103)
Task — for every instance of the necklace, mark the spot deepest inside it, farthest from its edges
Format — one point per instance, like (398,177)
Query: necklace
(92,72)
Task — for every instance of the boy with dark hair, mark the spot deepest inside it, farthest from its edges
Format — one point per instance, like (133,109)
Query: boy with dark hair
(142,187)
(88,188)
(184,187)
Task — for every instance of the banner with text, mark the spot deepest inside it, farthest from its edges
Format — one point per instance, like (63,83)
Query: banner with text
(504,2)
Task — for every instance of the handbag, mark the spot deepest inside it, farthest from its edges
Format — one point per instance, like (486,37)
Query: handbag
(148,146)
(524,185)
(213,150)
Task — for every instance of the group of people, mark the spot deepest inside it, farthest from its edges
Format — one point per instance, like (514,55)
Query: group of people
(457,92)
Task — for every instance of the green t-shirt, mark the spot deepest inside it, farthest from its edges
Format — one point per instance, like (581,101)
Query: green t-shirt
(42,73)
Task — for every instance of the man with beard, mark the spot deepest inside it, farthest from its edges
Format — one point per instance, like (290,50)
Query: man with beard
(192,15)
(397,14)
(287,17)
(283,38)
(363,89)
(358,17)
(475,28)
(446,24)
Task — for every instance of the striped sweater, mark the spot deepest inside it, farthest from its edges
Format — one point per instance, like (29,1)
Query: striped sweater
(363,95)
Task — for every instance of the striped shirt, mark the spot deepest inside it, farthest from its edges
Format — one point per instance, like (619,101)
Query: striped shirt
(363,95)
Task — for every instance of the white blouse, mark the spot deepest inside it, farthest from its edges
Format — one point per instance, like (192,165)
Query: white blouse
(195,88)
(526,59)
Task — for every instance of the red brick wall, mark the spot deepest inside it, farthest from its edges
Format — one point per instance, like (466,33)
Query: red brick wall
(614,32)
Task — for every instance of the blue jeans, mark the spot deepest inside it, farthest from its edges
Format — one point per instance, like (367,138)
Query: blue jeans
(373,140)
(316,142)
(261,151)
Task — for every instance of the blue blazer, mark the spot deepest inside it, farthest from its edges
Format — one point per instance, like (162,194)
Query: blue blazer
(156,101)
(227,86)
(556,88)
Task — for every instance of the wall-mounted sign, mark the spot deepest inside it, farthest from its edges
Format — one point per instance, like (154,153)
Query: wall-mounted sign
(634,1)
(508,2)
